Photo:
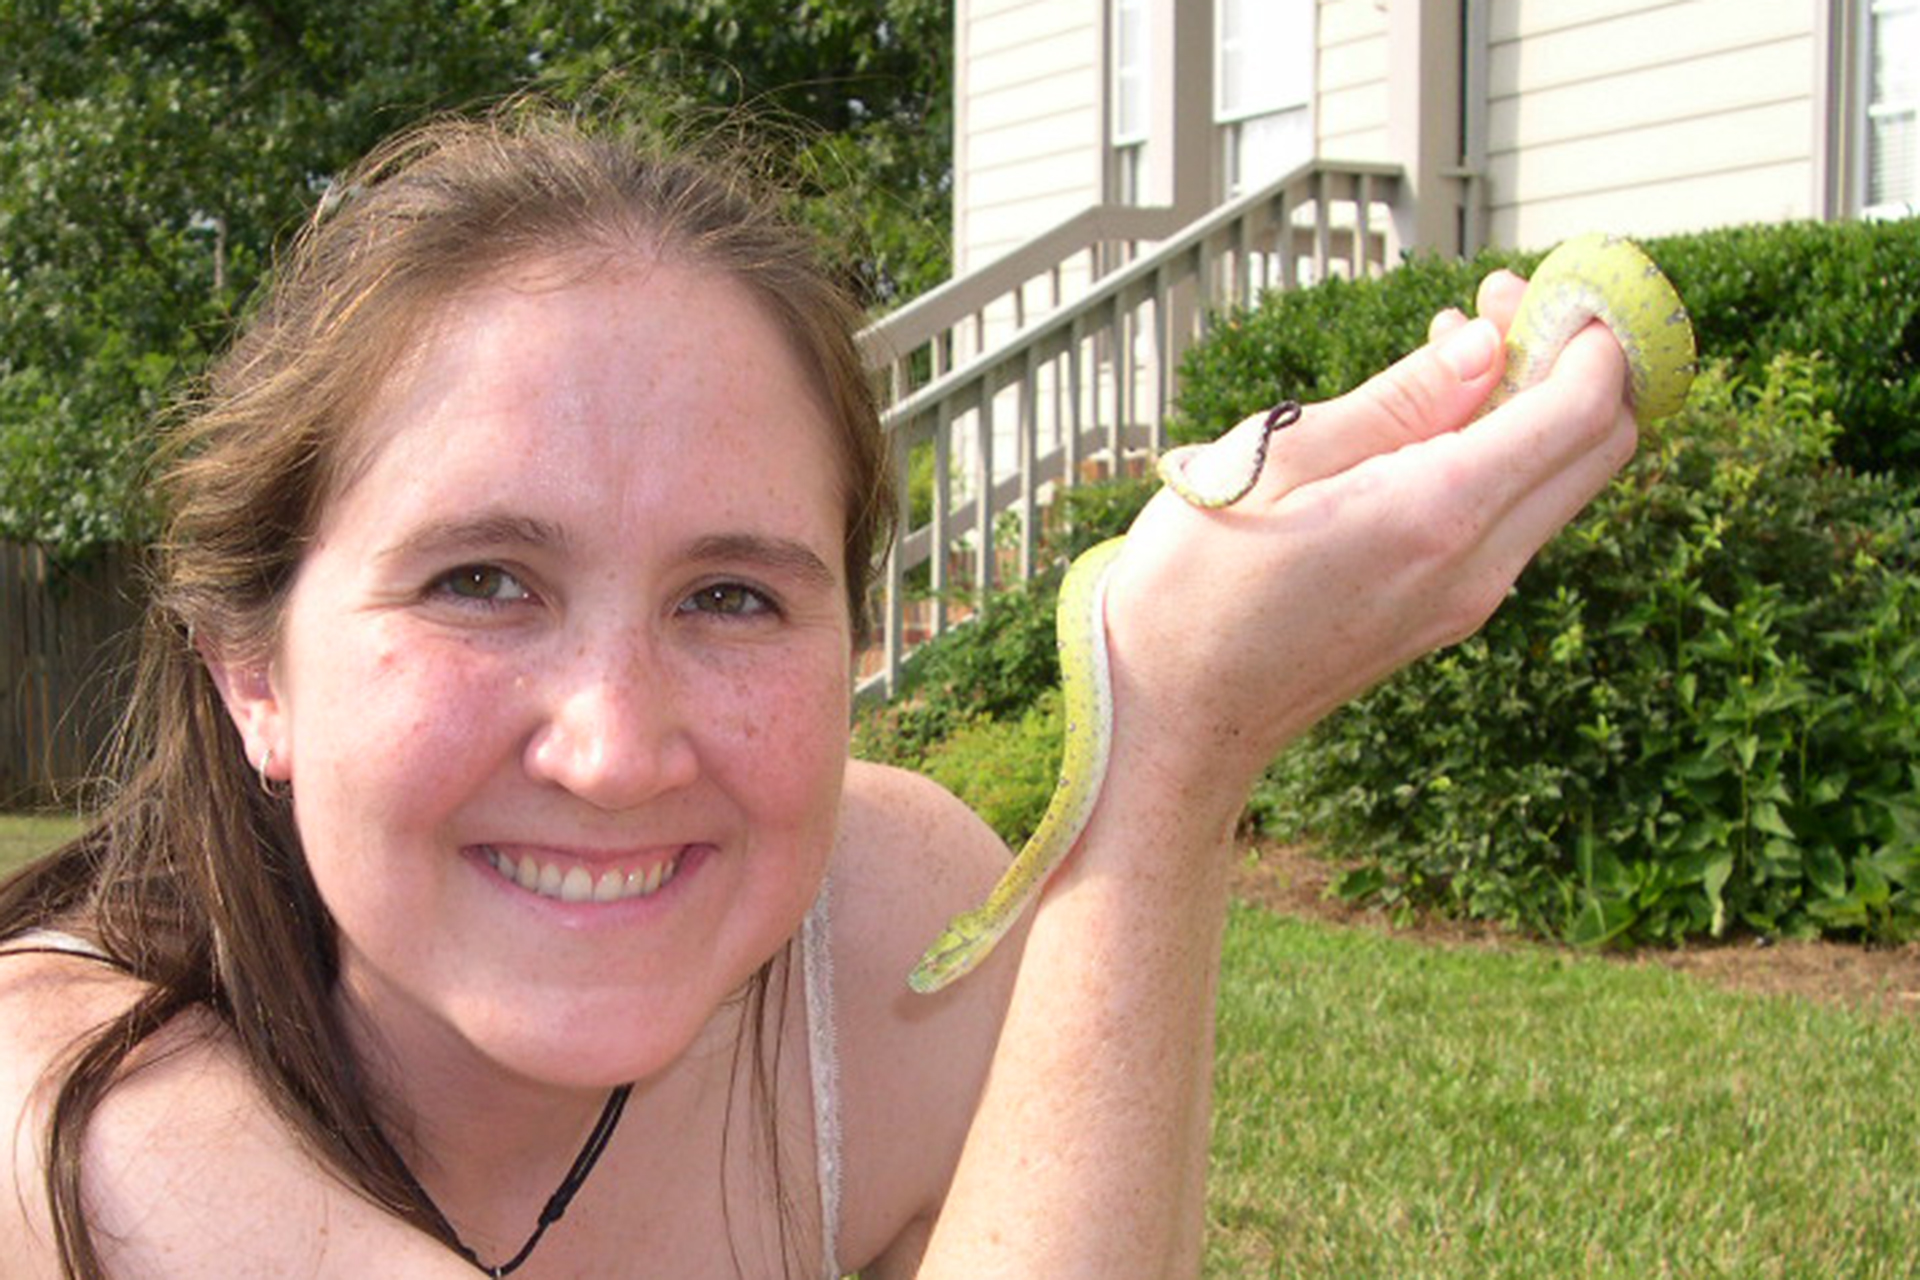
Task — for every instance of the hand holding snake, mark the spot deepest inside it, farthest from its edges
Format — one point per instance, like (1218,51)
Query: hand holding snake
(1489,493)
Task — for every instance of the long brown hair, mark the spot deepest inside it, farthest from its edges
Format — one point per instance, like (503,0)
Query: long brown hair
(193,878)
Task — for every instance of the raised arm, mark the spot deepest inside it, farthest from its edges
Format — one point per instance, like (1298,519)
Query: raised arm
(1384,525)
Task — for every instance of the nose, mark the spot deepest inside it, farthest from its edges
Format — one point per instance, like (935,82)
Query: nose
(613,733)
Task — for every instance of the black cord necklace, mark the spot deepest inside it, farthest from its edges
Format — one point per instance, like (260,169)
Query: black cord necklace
(562,1196)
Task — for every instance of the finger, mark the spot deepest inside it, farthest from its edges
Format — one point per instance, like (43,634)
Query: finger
(1574,423)
(1487,499)
(1445,322)
(1552,505)
(1539,515)
(1435,390)
(1499,297)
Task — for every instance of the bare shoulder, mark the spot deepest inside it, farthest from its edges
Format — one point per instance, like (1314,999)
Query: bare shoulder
(911,856)
(187,1169)
(47,1005)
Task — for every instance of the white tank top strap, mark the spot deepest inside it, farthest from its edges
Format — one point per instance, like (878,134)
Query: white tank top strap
(54,940)
(816,961)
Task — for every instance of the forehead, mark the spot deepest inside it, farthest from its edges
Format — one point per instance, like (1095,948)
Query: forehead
(585,354)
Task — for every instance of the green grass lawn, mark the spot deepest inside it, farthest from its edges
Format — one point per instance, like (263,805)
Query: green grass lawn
(1393,1108)
(24,836)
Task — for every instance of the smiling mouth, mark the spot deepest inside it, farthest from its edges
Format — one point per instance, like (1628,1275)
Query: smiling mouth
(576,883)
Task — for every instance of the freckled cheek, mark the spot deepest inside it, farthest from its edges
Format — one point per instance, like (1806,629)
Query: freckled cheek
(404,708)
(782,734)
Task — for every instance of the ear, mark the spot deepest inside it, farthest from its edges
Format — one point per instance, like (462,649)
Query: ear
(256,710)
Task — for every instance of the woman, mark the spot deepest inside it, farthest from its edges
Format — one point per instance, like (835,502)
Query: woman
(488,848)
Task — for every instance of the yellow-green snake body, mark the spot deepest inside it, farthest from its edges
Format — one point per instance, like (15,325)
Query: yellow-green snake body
(1587,278)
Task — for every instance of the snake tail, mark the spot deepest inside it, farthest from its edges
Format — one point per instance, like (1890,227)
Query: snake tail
(1221,472)
(1088,697)
(1612,280)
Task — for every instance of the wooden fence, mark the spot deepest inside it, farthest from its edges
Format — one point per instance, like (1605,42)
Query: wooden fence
(64,648)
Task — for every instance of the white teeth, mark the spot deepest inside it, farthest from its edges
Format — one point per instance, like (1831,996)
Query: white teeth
(576,886)
(576,883)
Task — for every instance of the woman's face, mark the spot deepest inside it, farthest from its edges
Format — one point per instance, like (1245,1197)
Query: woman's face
(562,684)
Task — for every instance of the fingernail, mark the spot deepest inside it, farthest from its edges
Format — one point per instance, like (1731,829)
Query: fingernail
(1468,350)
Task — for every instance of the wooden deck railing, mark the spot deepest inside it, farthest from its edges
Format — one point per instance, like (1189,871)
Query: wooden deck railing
(1064,356)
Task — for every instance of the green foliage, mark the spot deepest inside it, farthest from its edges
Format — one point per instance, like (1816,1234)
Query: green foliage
(995,665)
(1314,344)
(154,152)
(1089,514)
(1004,769)
(1697,711)
(978,707)
(1849,291)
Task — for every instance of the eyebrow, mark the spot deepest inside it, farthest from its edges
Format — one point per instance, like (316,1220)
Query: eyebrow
(779,554)
(496,529)
(438,537)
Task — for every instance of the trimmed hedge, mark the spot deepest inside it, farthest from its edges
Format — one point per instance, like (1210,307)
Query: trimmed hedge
(1849,291)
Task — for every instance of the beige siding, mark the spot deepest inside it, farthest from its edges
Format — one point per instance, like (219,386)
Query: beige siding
(1350,106)
(1027,127)
(1647,116)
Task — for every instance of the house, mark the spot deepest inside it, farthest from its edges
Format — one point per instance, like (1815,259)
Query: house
(1516,122)
(1123,168)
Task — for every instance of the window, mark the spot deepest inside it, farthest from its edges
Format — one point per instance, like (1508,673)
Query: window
(1128,127)
(1892,93)
(1263,82)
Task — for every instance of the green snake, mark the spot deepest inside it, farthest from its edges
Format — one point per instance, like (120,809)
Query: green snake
(1592,277)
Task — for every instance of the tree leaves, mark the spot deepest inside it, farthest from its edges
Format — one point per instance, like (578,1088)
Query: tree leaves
(153,153)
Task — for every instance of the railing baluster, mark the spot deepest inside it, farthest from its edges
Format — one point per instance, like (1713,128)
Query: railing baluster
(983,504)
(1121,363)
(1203,284)
(1363,226)
(1242,280)
(894,606)
(942,499)
(1162,367)
(1289,267)
(1077,336)
(1322,227)
(1029,453)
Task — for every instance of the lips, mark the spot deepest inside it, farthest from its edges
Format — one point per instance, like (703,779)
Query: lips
(571,882)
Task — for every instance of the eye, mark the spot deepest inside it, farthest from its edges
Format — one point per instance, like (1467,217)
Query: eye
(729,600)
(484,583)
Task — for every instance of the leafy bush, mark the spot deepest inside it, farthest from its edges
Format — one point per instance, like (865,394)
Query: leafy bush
(1004,769)
(1089,514)
(1850,291)
(979,707)
(1697,712)
(998,664)
(992,666)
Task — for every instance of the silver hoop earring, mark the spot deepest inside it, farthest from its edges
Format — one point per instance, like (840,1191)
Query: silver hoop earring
(266,783)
